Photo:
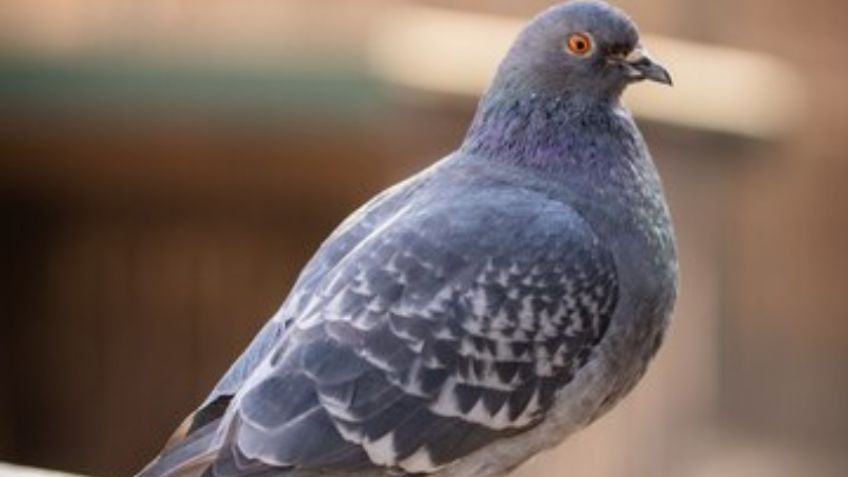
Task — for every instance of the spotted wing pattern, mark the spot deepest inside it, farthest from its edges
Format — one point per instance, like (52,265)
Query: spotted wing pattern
(447,328)
(349,234)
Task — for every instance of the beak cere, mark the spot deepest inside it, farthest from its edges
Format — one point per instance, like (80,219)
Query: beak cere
(641,67)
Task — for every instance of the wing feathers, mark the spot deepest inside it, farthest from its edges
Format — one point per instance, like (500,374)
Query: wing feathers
(426,340)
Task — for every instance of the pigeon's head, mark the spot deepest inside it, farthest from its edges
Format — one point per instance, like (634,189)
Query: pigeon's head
(585,48)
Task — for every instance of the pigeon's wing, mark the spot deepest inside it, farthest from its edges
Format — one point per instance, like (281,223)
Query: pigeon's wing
(449,327)
(348,235)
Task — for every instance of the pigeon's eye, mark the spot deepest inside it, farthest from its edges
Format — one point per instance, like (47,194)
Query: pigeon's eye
(579,44)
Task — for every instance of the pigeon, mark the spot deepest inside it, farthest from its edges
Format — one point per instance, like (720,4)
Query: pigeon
(480,311)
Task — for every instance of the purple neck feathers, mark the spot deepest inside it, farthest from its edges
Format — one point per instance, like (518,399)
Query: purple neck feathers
(543,131)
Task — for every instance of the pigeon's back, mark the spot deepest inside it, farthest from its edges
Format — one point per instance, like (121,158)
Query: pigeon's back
(407,346)
(357,227)
(193,445)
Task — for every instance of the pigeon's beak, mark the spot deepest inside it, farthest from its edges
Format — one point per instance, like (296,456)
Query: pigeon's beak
(641,67)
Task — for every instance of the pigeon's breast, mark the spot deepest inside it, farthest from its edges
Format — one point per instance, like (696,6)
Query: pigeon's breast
(642,238)
(635,221)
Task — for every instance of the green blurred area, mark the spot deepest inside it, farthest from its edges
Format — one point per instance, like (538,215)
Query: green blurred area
(114,84)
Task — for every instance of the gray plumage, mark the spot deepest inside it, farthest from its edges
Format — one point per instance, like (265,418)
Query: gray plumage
(478,312)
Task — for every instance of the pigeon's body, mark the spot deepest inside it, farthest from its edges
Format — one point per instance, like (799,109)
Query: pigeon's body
(466,318)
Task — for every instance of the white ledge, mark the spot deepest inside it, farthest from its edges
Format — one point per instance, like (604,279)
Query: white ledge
(10,470)
(716,88)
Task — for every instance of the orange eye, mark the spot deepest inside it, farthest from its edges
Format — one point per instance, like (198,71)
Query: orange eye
(579,43)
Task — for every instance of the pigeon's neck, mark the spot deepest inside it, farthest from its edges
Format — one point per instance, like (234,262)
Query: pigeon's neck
(546,132)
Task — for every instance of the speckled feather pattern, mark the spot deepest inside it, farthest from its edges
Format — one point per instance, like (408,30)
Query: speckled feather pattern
(456,332)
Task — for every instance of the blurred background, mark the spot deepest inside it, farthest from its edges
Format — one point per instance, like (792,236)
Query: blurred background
(167,166)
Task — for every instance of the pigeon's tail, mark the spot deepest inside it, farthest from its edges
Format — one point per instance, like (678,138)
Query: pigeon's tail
(188,457)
